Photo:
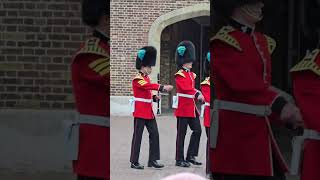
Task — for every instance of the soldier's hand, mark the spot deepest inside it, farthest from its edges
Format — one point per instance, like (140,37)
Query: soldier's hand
(298,120)
(287,112)
(167,88)
(201,98)
(291,114)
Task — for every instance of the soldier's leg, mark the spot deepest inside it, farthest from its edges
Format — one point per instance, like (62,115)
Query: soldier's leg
(154,147)
(207,131)
(207,152)
(195,126)
(136,139)
(182,125)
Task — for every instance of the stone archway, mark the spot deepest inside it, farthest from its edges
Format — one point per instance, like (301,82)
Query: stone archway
(154,36)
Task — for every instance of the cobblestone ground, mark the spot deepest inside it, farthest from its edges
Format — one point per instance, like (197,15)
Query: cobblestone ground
(121,136)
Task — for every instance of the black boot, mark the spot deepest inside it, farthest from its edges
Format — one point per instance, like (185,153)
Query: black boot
(193,161)
(155,164)
(182,163)
(136,166)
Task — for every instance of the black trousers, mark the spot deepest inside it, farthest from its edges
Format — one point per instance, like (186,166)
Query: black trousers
(207,152)
(154,147)
(182,126)
(88,178)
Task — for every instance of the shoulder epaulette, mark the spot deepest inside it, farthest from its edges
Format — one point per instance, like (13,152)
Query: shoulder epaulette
(141,81)
(271,44)
(308,63)
(91,46)
(224,36)
(138,76)
(206,81)
(180,73)
(101,66)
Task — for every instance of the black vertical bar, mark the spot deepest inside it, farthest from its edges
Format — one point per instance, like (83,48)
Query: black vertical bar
(201,49)
(158,101)
(291,27)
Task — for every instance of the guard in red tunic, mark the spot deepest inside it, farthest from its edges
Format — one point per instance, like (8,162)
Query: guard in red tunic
(205,89)
(142,108)
(185,104)
(89,136)
(306,86)
(205,108)
(241,140)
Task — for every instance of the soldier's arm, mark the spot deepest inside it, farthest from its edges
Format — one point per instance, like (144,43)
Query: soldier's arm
(141,83)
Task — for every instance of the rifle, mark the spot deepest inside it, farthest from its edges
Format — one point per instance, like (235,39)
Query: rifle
(158,103)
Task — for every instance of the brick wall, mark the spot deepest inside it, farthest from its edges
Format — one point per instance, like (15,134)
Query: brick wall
(37,40)
(130,24)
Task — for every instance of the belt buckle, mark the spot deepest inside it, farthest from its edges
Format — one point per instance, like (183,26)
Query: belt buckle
(267,111)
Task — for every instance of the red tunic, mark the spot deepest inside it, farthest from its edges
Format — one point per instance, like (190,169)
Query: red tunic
(306,84)
(91,79)
(245,142)
(185,85)
(205,89)
(142,88)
